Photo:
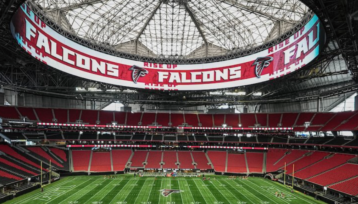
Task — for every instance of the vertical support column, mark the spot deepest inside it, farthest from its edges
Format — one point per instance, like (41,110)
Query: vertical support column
(356,103)
(318,105)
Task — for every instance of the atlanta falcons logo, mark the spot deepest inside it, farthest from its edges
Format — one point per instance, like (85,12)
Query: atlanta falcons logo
(137,72)
(260,64)
(167,192)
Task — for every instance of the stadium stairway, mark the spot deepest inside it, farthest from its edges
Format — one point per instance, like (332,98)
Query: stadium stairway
(111,159)
(120,158)
(81,160)
(169,158)
(217,161)
(254,162)
(264,162)
(201,160)
(139,158)
(185,159)
(154,160)
(53,155)
(226,160)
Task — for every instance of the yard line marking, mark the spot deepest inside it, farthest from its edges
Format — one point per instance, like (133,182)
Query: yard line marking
(191,194)
(200,191)
(181,198)
(252,195)
(150,190)
(131,190)
(283,187)
(100,190)
(146,179)
(119,191)
(258,191)
(238,192)
(78,195)
(226,189)
(161,184)
(48,190)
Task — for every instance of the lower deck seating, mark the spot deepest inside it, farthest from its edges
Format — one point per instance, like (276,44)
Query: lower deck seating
(290,157)
(120,159)
(80,159)
(324,165)
(101,162)
(335,175)
(236,163)
(9,163)
(45,157)
(60,153)
(273,156)
(169,159)
(6,180)
(13,153)
(9,176)
(349,187)
(138,158)
(218,159)
(185,160)
(201,160)
(154,159)
(255,161)
(306,161)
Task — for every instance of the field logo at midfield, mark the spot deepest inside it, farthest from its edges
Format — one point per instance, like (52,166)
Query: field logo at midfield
(138,72)
(167,192)
(261,63)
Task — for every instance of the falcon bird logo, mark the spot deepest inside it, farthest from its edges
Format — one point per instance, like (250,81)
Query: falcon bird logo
(167,192)
(260,64)
(137,72)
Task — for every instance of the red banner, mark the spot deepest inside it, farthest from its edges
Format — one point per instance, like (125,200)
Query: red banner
(57,51)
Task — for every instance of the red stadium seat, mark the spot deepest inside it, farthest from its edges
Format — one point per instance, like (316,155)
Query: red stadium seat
(120,159)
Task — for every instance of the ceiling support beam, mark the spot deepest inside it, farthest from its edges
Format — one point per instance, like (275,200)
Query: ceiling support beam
(145,25)
(253,10)
(193,18)
(75,6)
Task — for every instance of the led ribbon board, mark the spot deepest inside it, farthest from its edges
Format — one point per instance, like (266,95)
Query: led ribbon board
(55,50)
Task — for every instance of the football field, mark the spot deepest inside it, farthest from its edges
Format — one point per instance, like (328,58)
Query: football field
(126,189)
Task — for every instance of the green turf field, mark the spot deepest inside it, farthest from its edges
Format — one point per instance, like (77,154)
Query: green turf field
(126,189)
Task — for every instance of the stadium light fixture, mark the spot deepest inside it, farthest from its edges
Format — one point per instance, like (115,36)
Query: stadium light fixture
(94,89)
(257,94)
(80,89)
(240,93)
(215,93)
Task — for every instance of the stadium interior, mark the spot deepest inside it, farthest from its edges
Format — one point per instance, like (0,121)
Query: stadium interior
(297,127)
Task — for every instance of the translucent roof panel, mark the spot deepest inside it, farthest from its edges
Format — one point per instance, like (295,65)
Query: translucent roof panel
(175,27)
